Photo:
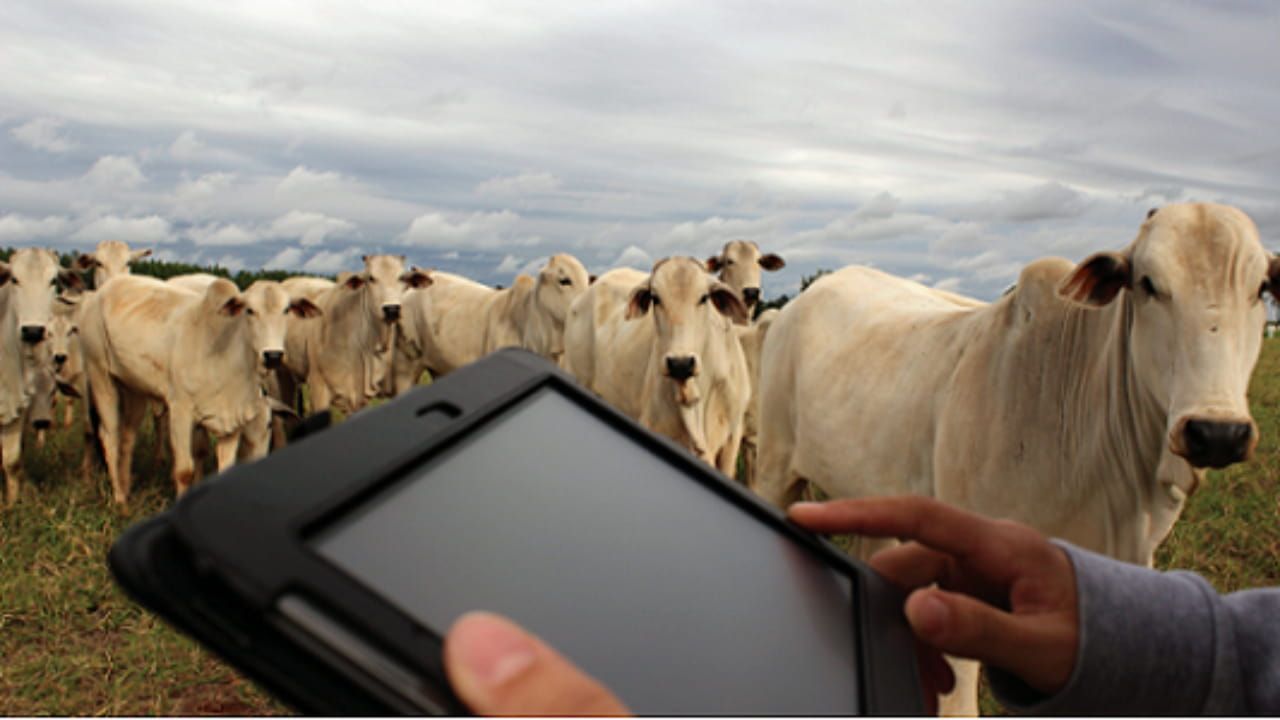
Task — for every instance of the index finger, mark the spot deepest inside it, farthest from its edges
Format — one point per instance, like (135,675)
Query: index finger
(925,520)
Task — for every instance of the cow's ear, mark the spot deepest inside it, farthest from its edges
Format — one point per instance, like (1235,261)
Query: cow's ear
(1273,277)
(137,255)
(416,278)
(1098,280)
(232,307)
(354,281)
(4,273)
(303,308)
(71,280)
(86,262)
(729,304)
(772,262)
(714,264)
(641,299)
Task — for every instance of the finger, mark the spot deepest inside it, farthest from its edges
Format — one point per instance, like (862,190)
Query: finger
(1038,648)
(496,668)
(936,676)
(911,566)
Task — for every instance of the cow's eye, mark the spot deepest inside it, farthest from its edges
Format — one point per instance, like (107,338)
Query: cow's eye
(703,300)
(566,281)
(249,311)
(728,262)
(1147,286)
(654,299)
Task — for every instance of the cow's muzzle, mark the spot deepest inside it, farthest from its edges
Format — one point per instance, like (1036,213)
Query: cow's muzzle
(1215,443)
(391,313)
(59,359)
(751,296)
(271,359)
(681,368)
(32,334)
(42,424)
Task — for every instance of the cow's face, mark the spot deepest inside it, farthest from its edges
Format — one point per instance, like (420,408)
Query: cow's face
(110,259)
(1195,276)
(64,344)
(687,306)
(386,281)
(739,264)
(560,282)
(31,279)
(263,309)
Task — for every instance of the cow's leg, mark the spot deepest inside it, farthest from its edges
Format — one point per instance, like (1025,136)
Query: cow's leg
(256,437)
(727,458)
(180,442)
(227,446)
(133,410)
(962,701)
(68,412)
(321,395)
(11,456)
(106,401)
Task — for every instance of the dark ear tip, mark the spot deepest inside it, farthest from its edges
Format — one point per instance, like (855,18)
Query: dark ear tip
(1151,212)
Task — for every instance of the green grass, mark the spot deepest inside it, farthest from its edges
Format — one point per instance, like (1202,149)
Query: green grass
(72,644)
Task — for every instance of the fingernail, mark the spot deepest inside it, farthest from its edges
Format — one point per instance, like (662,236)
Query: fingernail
(802,506)
(930,615)
(492,649)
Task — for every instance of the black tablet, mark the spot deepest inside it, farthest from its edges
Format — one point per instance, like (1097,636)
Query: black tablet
(330,570)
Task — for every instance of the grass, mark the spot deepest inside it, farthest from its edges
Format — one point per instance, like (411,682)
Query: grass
(72,644)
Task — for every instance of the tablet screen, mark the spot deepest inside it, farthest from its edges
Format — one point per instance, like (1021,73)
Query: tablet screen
(678,600)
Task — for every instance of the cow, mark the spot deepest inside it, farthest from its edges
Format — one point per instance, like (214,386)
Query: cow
(662,349)
(205,356)
(195,282)
(752,338)
(739,264)
(28,284)
(1086,402)
(456,321)
(348,349)
(111,258)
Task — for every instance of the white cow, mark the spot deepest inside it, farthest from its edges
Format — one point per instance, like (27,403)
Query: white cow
(456,321)
(739,264)
(204,355)
(111,258)
(348,350)
(1086,402)
(195,282)
(662,349)
(27,290)
(752,338)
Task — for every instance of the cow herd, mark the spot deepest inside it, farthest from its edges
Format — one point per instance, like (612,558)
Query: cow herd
(1087,401)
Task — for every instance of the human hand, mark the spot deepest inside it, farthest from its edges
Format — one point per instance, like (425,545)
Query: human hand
(1004,594)
(497,668)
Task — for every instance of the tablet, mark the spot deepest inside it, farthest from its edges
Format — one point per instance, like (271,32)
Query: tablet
(329,571)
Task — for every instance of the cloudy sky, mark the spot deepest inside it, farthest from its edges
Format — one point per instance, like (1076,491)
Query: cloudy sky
(950,142)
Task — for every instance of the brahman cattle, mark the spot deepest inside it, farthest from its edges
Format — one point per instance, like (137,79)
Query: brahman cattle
(739,264)
(662,349)
(111,258)
(1086,402)
(752,338)
(205,356)
(28,284)
(456,321)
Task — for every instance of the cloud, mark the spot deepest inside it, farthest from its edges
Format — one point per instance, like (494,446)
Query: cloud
(509,264)
(150,230)
(332,261)
(302,180)
(634,257)
(478,230)
(229,234)
(310,228)
(43,134)
(522,184)
(18,229)
(1049,201)
(880,207)
(115,172)
(232,263)
(710,235)
(287,259)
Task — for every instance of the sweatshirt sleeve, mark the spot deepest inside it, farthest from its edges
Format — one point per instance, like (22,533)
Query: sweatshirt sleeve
(1161,643)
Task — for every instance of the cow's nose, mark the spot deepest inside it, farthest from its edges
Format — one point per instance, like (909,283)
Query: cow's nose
(1216,444)
(751,296)
(32,334)
(59,359)
(42,424)
(680,368)
(391,313)
(272,358)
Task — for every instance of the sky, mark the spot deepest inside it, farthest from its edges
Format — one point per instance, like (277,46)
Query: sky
(947,142)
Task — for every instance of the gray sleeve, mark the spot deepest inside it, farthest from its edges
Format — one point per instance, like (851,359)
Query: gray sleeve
(1161,643)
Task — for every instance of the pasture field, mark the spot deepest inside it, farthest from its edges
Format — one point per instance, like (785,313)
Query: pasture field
(72,644)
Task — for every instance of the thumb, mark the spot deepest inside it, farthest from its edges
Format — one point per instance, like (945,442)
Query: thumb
(496,668)
(1040,649)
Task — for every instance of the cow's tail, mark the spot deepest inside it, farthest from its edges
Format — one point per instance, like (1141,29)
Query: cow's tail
(92,437)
